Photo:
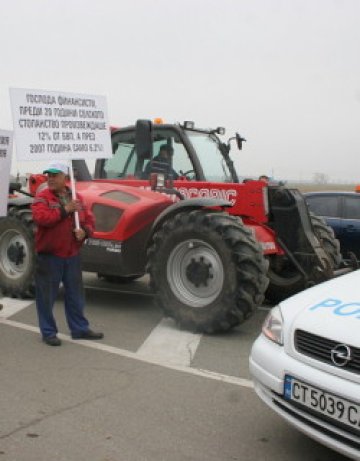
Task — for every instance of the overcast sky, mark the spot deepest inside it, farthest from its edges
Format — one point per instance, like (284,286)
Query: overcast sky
(285,74)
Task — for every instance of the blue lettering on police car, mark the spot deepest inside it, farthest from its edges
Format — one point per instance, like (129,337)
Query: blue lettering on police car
(342,310)
(338,307)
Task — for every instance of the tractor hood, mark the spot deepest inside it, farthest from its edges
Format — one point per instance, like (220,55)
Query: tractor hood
(122,195)
(121,210)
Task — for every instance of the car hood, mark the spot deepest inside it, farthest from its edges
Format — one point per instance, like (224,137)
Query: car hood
(331,310)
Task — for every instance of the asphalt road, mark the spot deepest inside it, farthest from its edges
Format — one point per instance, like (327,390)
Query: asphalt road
(147,392)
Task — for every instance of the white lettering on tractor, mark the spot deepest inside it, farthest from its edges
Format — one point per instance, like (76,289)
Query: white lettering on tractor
(229,195)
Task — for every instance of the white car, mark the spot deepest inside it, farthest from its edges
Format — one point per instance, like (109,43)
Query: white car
(306,363)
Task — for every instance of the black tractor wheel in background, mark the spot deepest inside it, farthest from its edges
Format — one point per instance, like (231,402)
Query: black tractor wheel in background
(285,280)
(17,255)
(329,242)
(207,271)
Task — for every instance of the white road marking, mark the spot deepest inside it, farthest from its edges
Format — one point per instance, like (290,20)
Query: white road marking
(135,356)
(166,343)
(11,306)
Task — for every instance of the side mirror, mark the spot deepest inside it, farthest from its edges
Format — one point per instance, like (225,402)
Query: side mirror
(81,170)
(143,139)
(239,140)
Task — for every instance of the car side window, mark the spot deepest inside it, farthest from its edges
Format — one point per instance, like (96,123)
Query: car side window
(352,207)
(324,205)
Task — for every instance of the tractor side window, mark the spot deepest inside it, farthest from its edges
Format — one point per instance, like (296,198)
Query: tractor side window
(352,207)
(324,205)
(123,162)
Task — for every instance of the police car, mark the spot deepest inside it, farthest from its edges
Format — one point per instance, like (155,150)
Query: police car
(306,363)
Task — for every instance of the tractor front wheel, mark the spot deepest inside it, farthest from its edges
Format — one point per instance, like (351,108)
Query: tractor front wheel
(206,270)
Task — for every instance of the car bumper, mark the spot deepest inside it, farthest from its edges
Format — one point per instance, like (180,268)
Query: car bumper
(268,366)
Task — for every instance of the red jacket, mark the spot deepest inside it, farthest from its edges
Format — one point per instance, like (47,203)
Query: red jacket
(54,234)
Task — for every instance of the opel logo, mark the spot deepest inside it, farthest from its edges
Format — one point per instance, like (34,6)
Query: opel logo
(341,355)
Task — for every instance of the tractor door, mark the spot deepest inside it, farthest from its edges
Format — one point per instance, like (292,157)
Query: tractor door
(181,163)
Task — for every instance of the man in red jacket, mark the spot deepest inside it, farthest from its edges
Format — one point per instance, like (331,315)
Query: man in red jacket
(57,244)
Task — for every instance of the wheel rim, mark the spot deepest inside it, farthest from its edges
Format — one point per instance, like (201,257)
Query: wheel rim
(195,273)
(14,257)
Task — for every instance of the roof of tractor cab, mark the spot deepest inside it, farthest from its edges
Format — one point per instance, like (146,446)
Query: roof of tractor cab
(165,126)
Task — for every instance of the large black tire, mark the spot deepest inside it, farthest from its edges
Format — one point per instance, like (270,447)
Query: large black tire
(285,279)
(328,240)
(17,254)
(207,271)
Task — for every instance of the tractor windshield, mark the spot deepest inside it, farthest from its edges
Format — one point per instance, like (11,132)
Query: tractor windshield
(212,161)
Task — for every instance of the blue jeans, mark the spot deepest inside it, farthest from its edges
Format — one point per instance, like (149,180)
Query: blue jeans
(50,272)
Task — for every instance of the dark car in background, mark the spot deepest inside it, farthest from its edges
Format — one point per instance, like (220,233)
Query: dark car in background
(341,211)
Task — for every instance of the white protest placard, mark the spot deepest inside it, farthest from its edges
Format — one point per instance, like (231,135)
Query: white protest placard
(53,125)
(5,165)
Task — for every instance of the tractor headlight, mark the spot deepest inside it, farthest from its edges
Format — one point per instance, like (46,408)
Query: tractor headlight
(273,326)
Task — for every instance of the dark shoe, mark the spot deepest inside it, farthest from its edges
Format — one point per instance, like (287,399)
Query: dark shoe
(52,341)
(89,334)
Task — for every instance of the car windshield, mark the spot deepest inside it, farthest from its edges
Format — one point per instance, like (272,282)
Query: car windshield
(210,157)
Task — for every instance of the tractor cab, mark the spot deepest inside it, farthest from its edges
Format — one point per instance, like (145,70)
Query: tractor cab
(195,154)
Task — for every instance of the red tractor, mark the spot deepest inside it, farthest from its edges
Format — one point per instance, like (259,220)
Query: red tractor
(209,242)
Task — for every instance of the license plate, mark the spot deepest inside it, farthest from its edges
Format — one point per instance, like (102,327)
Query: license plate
(322,402)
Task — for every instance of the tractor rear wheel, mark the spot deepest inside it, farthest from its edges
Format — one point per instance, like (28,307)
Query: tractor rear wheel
(207,271)
(285,279)
(17,255)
